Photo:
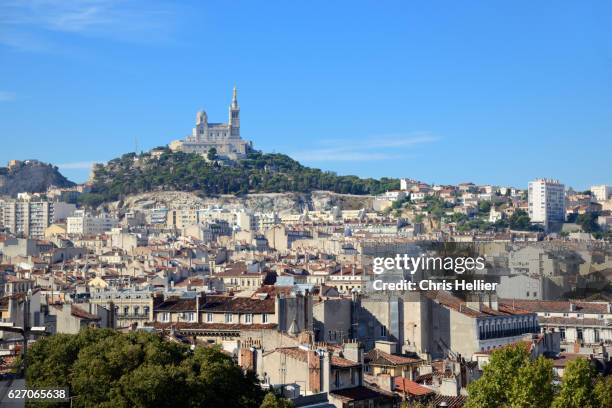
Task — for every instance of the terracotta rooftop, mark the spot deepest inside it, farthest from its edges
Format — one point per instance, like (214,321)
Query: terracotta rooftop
(379,357)
(404,385)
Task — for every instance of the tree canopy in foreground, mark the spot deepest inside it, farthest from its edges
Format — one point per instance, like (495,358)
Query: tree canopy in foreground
(107,369)
(512,380)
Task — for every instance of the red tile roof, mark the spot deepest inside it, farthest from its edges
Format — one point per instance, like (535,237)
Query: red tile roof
(404,385)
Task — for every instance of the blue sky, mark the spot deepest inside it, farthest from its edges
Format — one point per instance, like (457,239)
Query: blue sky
(443,91)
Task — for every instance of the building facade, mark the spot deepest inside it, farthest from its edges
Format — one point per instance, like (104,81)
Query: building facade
(546,201)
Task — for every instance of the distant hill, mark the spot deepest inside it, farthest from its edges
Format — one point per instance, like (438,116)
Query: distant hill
(258,173)
(30,176)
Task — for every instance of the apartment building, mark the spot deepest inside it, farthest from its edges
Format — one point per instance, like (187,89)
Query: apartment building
(83,224)
(30,215)
(546,200)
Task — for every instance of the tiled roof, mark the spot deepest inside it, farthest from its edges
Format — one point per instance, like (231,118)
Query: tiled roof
(564,358)
(82,314)
(449,300)
(212,326)
(560,306)
(218,303)
(405,385)
(359,393)
(379,357)
(451,402)
(342,362)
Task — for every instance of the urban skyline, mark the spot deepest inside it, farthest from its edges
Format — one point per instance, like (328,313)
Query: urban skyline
(442,105)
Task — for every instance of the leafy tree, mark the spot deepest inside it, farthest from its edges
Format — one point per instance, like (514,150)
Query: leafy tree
(212,154)
(577,386)
(588,222)
(520,221)
(274,401)
(484,207)
(104,368)
(494,388)
(603,392)
(533,385)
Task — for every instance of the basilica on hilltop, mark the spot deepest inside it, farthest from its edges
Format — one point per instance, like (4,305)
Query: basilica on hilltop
(224,137)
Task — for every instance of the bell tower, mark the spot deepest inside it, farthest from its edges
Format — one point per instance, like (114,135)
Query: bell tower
(234,117)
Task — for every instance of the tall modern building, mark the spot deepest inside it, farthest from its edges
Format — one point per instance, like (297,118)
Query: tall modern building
(546,201)
(29,216)
(223,137)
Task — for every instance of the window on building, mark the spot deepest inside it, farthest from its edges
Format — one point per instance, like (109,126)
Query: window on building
(229,318)
(383,331)
(126,310)
(136,310)
(164,317)
(264,318)
(209,317)
(146,310)
(579,334)
(248,318)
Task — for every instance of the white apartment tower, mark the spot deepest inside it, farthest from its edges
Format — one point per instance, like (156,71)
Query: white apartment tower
(546,201)
(29,216)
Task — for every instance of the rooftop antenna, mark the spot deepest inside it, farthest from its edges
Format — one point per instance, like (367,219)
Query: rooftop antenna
(136,144)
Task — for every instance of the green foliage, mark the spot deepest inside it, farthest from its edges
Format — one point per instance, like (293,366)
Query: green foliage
(436,206)
(494,388)
(533,385)
(484,207)
(577,387)
(520,221)
(603,392)
(588,222)
(104,368)
(258,173)
(274,401)
(512,380)
(212,154)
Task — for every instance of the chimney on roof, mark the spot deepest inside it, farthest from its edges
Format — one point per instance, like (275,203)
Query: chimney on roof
(474,302)
(493,303)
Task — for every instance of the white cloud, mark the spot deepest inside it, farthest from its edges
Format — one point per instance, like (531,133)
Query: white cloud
(7,96)
(25,22)
(85,165)
(368,149)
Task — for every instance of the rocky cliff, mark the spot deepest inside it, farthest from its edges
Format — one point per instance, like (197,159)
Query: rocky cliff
(280,202)
(30,176)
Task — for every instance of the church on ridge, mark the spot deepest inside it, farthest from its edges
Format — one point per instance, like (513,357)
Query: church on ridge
(224,137)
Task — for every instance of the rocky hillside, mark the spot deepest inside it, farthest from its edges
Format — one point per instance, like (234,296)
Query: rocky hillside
(279,202)
(30,176)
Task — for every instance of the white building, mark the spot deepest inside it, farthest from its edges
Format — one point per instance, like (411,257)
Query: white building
(407,184)
(30,215)
(83,224)
(224,137)
(546,201)
(601,192)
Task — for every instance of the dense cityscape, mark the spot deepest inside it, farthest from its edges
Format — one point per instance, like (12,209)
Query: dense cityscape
(278,280)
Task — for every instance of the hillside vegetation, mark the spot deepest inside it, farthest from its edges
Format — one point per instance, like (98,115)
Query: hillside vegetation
(258,173)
